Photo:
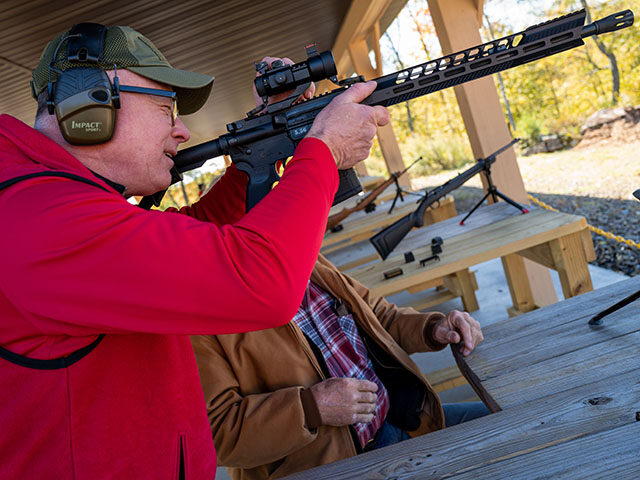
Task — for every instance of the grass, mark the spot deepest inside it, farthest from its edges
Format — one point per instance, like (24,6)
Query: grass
(607,171)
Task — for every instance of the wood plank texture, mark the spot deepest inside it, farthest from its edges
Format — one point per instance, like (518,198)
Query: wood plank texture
(477,245)
(540,335)
(416,238)
(497,445)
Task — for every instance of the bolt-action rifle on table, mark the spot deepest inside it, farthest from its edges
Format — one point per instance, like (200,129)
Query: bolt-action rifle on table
(270,133)
(388,238)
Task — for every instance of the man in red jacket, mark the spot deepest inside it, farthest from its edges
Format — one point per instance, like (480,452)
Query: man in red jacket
(98,376)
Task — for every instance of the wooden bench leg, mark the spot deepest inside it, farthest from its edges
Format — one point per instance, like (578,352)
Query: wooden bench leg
(519,286)
(571,263)
(463,284)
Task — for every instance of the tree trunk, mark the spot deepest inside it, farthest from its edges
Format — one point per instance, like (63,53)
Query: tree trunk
(400,65)
(613,62)
(184,192)
(503,91)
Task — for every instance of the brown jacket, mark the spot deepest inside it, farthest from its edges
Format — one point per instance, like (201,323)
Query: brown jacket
(252,383)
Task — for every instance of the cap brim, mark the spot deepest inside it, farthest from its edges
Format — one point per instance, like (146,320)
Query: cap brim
(192,88)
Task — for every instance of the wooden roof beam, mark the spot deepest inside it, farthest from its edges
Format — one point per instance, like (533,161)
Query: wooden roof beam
(361,29)
(357,25)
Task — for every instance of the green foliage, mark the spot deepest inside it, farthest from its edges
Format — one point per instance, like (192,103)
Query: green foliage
(554,95)
(175,196)
(530,129)
(439,152)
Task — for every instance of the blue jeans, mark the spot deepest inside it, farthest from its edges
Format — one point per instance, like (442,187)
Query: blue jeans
(454,413)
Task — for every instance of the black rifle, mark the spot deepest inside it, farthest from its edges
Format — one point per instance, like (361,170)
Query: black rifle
(256,143)
(387,239)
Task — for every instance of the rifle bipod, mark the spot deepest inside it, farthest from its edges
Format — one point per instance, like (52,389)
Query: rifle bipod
(399,192)
(494,192)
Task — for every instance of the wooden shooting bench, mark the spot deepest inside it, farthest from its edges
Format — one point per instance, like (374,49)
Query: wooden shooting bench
(361,225)
(369,182)
(566,397)
(387,194)
(556,240)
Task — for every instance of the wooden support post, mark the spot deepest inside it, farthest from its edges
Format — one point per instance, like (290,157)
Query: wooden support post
(519,285)
(571,263)
(457,26)
(359,53)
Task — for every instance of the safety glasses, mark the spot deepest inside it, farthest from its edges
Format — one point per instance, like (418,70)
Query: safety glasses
(160,93)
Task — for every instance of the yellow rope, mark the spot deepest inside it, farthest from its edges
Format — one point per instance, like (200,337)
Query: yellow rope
(597,230)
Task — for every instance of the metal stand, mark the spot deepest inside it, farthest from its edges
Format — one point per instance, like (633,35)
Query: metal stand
(399,192)
(597,319)
(494,192)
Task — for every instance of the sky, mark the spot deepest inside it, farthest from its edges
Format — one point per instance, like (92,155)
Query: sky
(518,15)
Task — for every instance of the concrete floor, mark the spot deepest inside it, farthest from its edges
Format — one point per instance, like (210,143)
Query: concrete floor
(493,299)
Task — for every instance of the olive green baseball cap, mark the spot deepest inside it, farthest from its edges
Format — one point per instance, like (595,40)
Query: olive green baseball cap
(128,49)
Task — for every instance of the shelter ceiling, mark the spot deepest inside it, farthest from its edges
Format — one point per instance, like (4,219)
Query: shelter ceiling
(220,38)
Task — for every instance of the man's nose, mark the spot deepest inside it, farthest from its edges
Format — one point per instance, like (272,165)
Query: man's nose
(180,131)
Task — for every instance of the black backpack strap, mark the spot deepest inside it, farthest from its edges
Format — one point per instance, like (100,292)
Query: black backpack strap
(52,364)
(62,362)
(53,173)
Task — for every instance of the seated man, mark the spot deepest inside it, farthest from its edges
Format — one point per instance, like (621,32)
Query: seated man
(335,381)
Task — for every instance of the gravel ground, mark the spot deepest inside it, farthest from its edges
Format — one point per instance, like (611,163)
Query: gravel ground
(595,182)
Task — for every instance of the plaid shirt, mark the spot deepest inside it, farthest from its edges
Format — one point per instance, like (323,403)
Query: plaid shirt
(342,348)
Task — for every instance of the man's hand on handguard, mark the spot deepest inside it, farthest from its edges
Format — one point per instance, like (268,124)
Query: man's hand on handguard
(457,327)
(347,127)
(344,401)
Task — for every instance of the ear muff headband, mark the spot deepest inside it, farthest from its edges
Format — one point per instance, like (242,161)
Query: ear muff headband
(83,98)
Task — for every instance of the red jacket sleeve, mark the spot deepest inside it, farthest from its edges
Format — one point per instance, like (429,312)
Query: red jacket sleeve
(224,203)
(78,261)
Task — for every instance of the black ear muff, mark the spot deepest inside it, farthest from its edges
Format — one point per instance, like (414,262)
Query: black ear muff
(84,106)
(83,99)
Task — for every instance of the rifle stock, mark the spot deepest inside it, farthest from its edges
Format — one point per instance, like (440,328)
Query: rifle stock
(337,218)
(257,142)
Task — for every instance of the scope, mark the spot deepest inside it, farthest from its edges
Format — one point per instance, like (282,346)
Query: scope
(282,78)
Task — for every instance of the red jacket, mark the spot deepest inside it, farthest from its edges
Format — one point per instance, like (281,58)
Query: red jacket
(78,261)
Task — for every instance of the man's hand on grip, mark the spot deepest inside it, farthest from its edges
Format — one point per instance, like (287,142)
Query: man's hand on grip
(347,127)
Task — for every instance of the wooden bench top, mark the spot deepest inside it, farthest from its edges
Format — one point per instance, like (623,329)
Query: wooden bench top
(416,238)
(510,233)
(566,396)
(369,182)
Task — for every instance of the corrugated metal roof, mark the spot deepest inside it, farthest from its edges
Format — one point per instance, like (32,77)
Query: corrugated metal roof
(221,38)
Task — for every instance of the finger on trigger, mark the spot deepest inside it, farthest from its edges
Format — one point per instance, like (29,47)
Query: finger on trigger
(381,115)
